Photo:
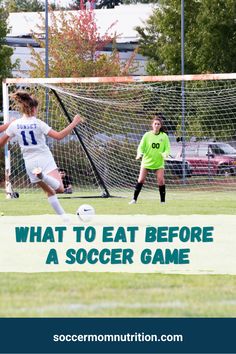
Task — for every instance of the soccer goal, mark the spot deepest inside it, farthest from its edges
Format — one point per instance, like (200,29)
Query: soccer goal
(199,112)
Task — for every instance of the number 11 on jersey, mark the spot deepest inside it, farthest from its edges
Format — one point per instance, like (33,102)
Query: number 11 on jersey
(28,138)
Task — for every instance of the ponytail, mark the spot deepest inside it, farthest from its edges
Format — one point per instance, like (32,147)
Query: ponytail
(24,102)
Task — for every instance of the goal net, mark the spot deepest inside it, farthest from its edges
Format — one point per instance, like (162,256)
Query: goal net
(199,113)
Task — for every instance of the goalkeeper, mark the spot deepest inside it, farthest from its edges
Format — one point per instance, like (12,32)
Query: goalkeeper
(30,133)
(153,148)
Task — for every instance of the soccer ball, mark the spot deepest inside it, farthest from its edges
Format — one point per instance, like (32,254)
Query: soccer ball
(85,212)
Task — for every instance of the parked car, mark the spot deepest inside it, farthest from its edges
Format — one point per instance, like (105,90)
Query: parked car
(210,158)
(174,166)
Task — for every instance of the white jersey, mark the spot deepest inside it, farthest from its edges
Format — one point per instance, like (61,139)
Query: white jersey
(30,134)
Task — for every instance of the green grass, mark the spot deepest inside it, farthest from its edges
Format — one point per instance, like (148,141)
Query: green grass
(116,295)
(80,294)
(178,203)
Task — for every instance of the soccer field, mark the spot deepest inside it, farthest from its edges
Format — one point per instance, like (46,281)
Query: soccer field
(80,294)
(116,295)
(178,203)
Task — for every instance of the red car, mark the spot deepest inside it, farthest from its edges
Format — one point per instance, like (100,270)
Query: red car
(210,158)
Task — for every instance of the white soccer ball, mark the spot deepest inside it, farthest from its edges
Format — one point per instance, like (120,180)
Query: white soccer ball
(85,212)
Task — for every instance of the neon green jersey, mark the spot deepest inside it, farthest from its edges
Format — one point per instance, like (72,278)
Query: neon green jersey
(152,147)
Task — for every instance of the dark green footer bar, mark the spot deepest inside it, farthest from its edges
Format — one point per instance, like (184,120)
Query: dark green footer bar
(117,335)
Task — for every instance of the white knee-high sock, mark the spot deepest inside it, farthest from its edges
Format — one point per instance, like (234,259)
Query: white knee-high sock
(54,202)
(51,181)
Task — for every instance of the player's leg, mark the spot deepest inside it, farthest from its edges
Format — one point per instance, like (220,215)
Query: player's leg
(45,170)
(56,176)
(52,179)
(50,182)
(52,198)
(137,189)
(161,184)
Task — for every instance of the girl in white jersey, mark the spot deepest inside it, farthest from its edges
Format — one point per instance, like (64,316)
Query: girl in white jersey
(30,133)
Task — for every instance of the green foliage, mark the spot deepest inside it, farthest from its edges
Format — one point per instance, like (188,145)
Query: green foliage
(210,31)
(4,30)
(24,5)
(5,61)
(215,38)
(5,53)
(210,47)
(6,66)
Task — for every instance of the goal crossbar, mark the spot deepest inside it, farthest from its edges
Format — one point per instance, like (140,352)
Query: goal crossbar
(121,79)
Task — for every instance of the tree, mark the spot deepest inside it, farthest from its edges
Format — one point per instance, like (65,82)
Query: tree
(210,31)
(210,47)
(6,66)
(24,5)
(215,39)
(75,47)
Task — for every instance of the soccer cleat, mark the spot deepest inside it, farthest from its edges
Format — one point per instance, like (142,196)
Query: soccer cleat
(37,171)
(133,201)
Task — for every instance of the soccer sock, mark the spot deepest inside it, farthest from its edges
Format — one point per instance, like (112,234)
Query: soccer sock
(56,205)
(137,190)
(51,181)
(162,190)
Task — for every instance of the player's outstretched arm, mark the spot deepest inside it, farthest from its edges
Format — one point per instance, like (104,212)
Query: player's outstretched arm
(66,131)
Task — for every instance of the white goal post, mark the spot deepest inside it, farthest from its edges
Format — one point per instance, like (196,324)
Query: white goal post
(199,112)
